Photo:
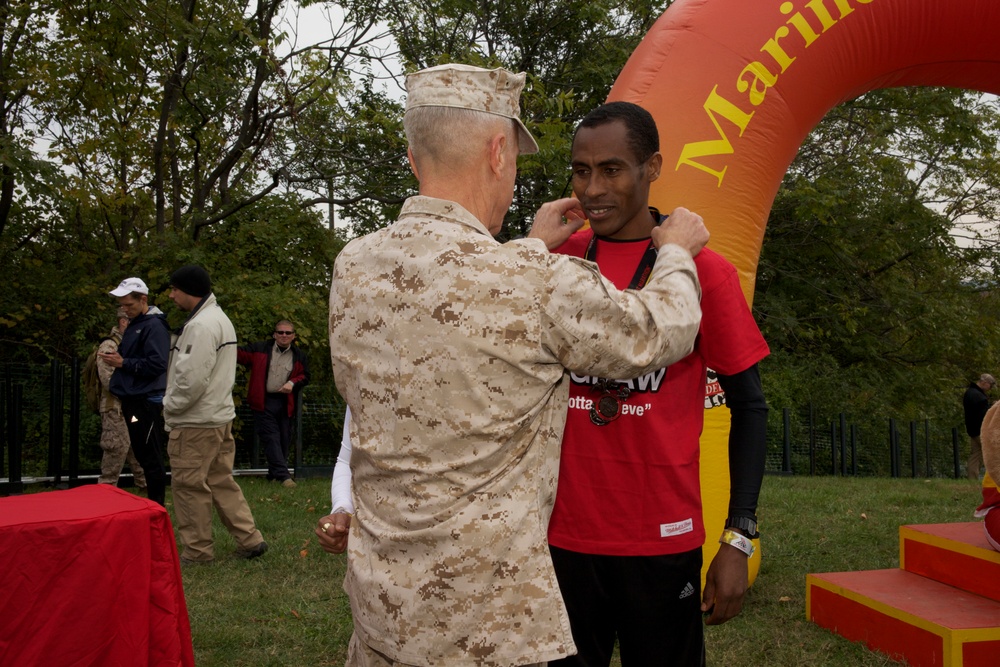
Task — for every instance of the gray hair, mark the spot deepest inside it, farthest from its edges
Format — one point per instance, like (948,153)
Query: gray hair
(447,135)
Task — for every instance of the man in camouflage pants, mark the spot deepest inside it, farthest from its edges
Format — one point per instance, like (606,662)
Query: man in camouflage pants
(452,351)
(115,441)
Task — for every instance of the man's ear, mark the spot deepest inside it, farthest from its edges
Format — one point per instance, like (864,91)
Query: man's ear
(413,163)
(497,148)
(653,166)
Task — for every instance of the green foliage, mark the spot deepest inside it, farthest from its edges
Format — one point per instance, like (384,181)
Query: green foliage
(868,302)
(570,67)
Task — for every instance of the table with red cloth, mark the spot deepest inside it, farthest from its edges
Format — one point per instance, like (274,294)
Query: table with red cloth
(90,576)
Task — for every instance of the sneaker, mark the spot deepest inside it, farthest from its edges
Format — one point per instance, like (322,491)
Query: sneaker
(289,483)
(252,552)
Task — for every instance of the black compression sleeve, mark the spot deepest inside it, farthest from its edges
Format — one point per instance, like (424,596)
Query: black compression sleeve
(747,439)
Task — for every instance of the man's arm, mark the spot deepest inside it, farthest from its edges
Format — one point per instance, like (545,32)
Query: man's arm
(727,579)
(591,327)
(104,369)
(156,352)
(334,528)
(300,377)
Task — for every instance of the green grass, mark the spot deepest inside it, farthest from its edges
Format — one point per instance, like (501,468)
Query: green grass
(288,607)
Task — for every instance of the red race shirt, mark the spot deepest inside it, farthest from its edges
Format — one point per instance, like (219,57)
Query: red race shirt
(631,487)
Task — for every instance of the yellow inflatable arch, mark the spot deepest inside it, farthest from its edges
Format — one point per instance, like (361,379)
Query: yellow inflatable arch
(736,85)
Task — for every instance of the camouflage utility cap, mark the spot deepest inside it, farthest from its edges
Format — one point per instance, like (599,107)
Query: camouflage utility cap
(495,91)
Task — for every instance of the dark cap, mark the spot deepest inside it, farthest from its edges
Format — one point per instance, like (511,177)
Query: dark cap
(192,279)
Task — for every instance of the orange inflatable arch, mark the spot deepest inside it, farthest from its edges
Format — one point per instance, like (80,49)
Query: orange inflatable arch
(735,86)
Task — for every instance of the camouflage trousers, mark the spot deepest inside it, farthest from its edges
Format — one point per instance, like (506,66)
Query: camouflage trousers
(117,449)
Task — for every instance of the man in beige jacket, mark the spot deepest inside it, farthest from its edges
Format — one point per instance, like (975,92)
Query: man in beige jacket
(198,411)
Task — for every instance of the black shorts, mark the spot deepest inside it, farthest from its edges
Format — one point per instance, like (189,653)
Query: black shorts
(650,604)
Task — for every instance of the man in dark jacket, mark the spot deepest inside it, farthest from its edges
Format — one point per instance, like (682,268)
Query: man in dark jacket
(140,380)
(976,403)
(278,372)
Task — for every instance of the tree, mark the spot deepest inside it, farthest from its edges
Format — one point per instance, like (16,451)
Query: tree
(157,122)
(569,73)
(866,299)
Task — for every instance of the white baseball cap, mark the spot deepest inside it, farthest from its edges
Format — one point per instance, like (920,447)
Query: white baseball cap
(128,286)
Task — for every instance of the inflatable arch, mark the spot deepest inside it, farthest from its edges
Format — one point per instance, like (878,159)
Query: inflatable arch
(735,86)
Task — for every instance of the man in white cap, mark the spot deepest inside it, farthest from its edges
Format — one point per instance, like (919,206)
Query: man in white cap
(140,379)
(452,351)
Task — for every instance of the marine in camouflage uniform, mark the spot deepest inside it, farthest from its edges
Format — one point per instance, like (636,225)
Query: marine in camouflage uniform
(115,441)
(452,351)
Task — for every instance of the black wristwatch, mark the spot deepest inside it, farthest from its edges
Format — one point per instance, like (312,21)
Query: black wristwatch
(745,524)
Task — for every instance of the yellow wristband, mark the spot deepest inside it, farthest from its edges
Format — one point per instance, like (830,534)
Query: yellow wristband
(741,542)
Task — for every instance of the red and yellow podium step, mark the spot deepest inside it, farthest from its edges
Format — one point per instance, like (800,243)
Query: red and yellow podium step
(941,608)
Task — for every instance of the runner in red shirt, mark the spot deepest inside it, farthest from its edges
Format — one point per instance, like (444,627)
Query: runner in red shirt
(626,531)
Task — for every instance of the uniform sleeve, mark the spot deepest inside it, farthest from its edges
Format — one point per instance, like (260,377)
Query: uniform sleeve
(104,369)
(191,368)
(591,327)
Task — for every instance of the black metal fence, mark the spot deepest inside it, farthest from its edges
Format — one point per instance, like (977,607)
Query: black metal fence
(48,435)
(804,443)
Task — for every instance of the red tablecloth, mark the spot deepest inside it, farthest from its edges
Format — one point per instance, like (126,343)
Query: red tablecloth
(90,576)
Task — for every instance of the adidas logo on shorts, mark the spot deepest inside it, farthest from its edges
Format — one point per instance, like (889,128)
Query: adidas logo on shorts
(687,592)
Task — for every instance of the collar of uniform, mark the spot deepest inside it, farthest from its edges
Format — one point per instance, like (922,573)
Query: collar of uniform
(442,209)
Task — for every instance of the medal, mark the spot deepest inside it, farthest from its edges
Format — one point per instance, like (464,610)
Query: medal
(608,406)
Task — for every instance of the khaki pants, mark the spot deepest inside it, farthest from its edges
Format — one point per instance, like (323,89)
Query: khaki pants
(201,472)
(975,457)
(360,654)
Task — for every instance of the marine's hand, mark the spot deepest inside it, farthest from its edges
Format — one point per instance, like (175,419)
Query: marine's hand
(682,228)
(556,221)
(332,531)
(725,585)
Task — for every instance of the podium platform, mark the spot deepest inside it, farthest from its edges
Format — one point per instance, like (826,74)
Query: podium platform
(940,608)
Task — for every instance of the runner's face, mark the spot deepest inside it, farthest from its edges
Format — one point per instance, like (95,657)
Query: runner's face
(611,184)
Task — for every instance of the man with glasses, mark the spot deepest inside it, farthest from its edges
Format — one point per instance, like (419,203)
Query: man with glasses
(278,372)
(976,403)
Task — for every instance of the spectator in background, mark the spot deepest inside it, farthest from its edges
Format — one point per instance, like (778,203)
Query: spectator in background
(140,379)
(976,403)
(278,372)
(199,412)
(115,443)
